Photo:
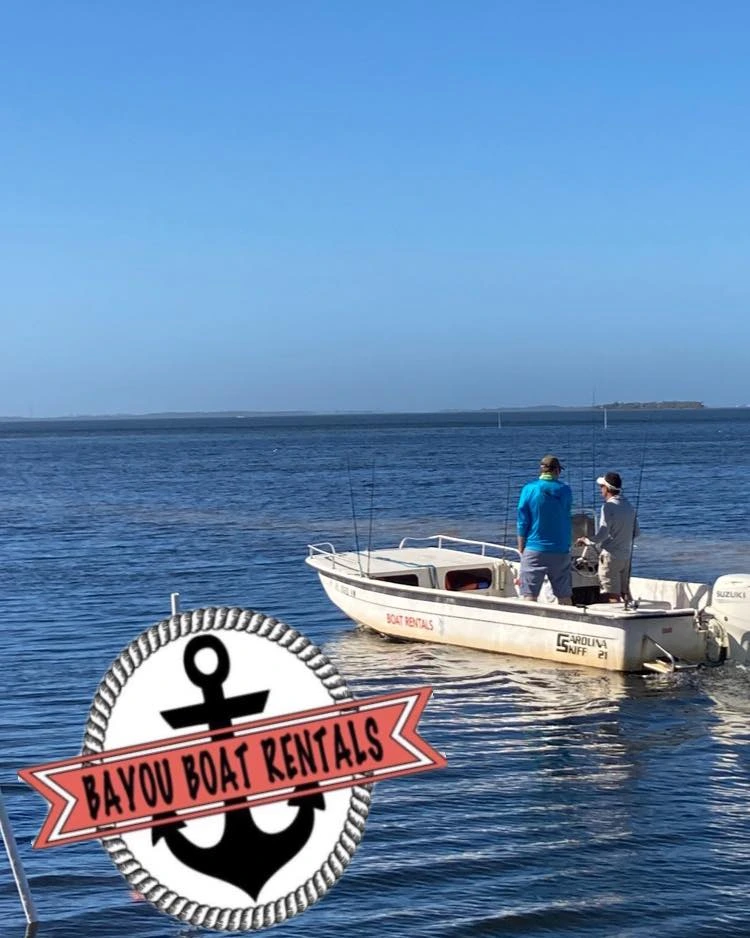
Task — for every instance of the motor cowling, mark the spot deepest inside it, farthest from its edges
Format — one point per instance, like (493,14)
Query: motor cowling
(730,606)
(582,525)
(585,562)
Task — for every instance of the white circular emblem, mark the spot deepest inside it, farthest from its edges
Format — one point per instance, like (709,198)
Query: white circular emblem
(238,869)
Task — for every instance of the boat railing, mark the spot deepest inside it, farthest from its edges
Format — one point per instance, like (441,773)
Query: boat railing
(441,539)
(326,549)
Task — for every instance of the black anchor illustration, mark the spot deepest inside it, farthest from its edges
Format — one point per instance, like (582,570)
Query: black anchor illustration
(246,856)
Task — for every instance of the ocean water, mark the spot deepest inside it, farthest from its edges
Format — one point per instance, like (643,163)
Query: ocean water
(575,802)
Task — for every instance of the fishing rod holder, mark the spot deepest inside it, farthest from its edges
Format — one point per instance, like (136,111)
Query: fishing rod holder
(16,866)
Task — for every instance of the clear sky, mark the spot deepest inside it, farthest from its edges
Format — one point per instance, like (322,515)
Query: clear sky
(372,206)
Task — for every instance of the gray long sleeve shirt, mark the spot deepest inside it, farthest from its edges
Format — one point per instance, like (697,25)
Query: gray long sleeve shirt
(618,525)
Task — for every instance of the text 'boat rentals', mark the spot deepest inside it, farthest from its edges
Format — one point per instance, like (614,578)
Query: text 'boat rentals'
(461,592)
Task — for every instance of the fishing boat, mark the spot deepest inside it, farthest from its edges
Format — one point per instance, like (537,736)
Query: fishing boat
(456,591)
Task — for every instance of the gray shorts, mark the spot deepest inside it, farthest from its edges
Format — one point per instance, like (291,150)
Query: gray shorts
(536,563)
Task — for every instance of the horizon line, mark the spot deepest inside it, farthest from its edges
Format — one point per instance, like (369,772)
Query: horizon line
(238,414)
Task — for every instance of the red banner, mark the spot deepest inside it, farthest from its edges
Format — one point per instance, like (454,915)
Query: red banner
(249,764)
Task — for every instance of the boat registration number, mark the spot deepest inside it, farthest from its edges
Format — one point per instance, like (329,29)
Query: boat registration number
(571,643)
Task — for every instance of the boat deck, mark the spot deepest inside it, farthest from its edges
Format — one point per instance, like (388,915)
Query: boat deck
(377,563)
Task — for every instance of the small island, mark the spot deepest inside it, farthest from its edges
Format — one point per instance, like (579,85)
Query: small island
(652,405)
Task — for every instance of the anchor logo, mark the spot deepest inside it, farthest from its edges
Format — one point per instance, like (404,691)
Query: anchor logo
(245,856)
(136,789)
(228,796)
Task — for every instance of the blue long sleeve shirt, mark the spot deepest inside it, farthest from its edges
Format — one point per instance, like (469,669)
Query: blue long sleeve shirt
(544,513)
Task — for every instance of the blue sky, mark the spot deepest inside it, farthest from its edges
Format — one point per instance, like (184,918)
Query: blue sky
(393,206)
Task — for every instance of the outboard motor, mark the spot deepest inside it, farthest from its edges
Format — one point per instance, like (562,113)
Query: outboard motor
(582,525)
(585,562)
(730,606)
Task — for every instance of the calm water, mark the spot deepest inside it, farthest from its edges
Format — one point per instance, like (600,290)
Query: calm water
(575,802)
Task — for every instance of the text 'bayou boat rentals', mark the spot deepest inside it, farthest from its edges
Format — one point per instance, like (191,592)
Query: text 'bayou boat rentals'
(461,592)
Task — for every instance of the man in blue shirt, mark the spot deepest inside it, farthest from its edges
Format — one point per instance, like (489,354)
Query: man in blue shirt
(544,533)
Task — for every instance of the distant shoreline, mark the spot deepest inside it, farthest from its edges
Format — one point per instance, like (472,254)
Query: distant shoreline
(655,405)
(287,414)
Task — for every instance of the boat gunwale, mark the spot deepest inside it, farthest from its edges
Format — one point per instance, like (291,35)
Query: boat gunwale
(618,618)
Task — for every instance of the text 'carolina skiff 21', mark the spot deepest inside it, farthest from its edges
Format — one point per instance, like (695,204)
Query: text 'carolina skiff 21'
(460,592)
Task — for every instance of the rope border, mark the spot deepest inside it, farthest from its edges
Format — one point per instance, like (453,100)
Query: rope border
(213,618)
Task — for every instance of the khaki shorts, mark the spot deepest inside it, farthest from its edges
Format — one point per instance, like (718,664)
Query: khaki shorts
(614,574)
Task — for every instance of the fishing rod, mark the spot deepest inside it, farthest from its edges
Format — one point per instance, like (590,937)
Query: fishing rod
(354,515)
(584,516)
(629,599)
(507,499)
(369,533)
(593,470)
(568,459)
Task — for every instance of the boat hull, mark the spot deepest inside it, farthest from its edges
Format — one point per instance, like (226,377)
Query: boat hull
(601,637)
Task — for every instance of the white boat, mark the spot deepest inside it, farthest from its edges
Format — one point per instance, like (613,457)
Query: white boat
(461,592)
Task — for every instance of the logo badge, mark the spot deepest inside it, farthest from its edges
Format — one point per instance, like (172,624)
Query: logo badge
(227,768)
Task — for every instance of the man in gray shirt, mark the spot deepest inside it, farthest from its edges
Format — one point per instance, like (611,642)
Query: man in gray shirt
(618,526)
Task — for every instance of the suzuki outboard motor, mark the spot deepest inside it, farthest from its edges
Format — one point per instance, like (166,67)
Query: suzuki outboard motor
(730,606)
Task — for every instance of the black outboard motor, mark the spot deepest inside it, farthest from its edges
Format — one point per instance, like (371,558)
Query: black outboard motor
(585,563)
